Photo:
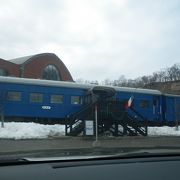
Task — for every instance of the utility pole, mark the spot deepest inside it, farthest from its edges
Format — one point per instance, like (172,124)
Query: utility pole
(96,143)
(2,118)
(2,99)
(176,114)
(96,120)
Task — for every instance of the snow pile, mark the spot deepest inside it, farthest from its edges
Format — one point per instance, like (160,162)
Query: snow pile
(17,130)
(164,131)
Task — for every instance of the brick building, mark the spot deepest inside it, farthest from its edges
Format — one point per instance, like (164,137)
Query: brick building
(39,66)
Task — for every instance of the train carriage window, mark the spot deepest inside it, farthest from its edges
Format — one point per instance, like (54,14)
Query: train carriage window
(144,104)
(58,99)
(36,97)
(3,72)
(76,100)
(14,96)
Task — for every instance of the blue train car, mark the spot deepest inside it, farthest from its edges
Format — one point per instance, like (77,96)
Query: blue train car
(147,102)
(30,99)
(40,98)
(171,108)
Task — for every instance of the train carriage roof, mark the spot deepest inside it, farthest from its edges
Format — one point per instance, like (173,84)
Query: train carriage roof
(172,95)
(40,82)
(138,90)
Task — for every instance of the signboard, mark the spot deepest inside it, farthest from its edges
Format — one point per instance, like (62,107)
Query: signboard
(46,107)
(89,127)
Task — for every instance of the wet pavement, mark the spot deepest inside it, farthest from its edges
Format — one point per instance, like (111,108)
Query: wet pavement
(65,143)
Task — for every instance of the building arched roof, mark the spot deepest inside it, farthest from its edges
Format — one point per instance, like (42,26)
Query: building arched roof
(26,59)
(21,60)
(32,66)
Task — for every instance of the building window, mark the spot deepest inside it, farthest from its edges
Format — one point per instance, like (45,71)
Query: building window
(14,96)
(3,72)
(36,97)
(76,100)
(144,104)
(58,99)
(50,72)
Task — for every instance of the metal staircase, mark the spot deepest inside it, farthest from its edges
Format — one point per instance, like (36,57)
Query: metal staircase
(110,121)
(113,118)
(134,127)
(138,123)
(119,122)
(75,122)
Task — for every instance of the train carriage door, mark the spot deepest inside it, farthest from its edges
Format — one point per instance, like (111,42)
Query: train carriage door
(2,100)
(170,109)
(156,108)
(177,109)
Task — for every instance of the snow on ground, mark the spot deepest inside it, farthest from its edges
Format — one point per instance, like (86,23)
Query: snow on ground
(19,130)
(163,131)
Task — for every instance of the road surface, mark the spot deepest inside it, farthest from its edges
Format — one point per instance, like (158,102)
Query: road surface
(36,146)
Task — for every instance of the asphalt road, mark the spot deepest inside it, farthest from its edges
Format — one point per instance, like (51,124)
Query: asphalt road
(28,147)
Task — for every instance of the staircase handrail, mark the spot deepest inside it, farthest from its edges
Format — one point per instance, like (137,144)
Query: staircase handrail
(138,114)
(81,110)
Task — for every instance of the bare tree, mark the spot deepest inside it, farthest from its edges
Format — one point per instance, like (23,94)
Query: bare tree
(169,74)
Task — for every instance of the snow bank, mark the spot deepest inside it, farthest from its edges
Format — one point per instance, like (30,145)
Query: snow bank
(17,130)
(163,131)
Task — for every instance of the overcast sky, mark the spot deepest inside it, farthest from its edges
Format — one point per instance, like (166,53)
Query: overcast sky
(96,39)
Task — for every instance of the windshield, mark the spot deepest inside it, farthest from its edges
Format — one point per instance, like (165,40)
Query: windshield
(89,78)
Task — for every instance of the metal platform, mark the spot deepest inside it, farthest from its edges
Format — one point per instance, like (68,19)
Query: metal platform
(113,118)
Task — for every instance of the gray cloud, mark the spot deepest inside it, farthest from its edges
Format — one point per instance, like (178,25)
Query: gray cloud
(95,39)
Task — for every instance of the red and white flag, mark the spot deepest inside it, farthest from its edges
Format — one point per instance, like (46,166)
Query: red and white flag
(129,102)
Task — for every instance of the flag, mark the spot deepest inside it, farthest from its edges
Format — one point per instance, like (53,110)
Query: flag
(129,102)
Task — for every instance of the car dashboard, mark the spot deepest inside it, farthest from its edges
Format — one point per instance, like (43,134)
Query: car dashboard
(149,168)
